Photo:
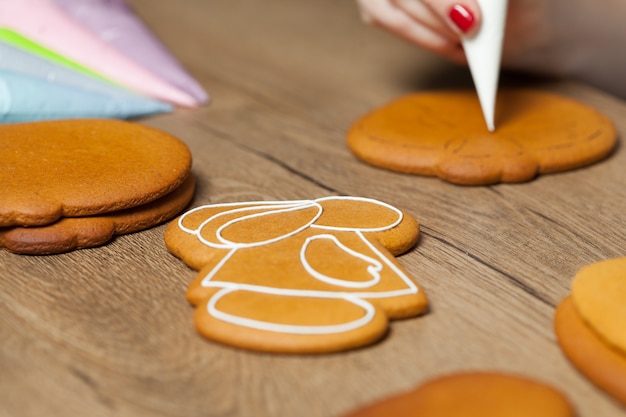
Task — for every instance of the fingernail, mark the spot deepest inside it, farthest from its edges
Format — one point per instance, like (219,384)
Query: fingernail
(461,17)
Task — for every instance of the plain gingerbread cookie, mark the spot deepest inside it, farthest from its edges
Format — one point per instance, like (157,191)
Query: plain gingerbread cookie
(474,395)
(443,134)
(591,323)
(70,233)
(601,364)
(76,168)
(599,293)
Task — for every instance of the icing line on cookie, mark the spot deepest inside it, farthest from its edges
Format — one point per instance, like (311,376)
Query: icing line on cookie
(363,229)
(206,281)
(228,243)
(290,328)
(373,269)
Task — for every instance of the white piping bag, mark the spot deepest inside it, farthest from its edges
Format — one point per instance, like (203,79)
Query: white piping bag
(483,50)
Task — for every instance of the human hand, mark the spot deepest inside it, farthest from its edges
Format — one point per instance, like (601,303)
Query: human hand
(436,25)
(581,39)
(533,31)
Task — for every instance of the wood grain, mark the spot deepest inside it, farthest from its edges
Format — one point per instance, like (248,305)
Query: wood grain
(108,332)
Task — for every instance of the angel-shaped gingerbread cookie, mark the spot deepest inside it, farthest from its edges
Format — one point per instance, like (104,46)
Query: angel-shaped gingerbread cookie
(298,276)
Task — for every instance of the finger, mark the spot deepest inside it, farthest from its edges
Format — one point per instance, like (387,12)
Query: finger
(383,14)
(461,17)
(423,14)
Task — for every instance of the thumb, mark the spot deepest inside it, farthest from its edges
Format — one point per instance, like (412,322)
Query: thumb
(463,16)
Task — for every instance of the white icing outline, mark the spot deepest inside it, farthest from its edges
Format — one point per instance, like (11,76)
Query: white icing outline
(373,269)
(288,206)
(289,328)
(228,243)
(362,229)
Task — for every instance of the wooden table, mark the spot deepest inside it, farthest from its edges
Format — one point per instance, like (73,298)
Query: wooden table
(108,332)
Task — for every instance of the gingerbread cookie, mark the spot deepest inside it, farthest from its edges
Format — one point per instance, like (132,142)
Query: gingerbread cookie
(71,233)
(75,168)
(297,276)
(599,293)
(603,365)
(474,395)
(443,134)
(590,325)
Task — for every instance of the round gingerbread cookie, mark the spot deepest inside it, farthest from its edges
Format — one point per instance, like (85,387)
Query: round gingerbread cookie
(443,134)
(474,395)
(70,233)
(598,361)
(599,294)
(73,168)
(306,276)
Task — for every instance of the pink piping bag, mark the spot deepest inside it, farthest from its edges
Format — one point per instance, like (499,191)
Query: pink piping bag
(116,24)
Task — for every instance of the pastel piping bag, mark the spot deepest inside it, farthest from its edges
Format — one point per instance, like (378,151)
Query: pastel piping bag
(24,98)
(116,24)
(483,50)
(16,60)
(46,24)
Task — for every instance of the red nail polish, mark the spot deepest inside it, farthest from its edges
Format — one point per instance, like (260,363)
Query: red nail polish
(461,17)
